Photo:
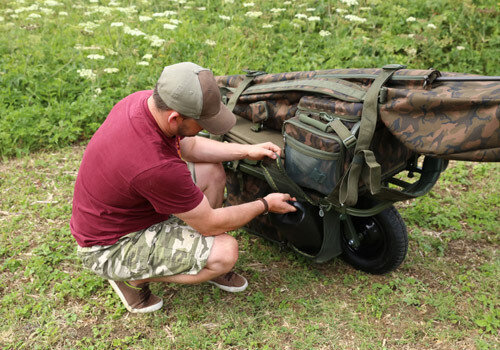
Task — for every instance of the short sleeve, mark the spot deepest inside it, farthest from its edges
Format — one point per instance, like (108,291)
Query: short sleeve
(168,187)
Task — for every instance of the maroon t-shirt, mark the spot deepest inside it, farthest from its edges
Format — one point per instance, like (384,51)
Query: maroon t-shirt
(130,178)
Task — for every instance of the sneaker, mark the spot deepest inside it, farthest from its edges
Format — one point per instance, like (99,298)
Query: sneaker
(230,282)
(137,299)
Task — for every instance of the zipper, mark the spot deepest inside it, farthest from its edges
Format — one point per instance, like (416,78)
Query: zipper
(328,117)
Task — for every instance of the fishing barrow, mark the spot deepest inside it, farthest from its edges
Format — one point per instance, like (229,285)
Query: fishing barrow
(354,141)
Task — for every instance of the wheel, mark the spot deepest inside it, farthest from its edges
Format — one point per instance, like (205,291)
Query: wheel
(383,242)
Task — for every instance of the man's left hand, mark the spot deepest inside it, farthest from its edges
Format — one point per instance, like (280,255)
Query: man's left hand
(261,150)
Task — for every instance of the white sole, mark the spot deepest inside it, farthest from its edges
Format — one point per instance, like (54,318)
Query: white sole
(129,308)
(231,289)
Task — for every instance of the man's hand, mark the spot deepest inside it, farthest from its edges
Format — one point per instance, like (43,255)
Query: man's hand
(261,150)
(278,203)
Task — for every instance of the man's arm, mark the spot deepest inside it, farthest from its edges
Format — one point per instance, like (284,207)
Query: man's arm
(212,222)
(200,149)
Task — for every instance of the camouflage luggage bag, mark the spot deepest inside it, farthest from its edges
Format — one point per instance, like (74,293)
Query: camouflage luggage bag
(346,134)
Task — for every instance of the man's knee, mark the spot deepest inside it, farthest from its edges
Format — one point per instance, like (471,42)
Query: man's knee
(210,174)
(224,253)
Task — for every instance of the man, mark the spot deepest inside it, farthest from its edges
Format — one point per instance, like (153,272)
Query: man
(134,185)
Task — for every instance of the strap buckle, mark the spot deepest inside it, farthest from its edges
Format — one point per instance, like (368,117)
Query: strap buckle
(253,73)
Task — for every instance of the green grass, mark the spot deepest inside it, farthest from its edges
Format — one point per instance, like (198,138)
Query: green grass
(45,103)
(444,296)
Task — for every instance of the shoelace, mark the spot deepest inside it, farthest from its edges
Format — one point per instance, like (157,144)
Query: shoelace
(228,276)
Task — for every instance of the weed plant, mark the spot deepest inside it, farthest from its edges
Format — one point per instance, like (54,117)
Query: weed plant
(63,64)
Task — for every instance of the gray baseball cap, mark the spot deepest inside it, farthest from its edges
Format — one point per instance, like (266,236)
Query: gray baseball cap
(192,91)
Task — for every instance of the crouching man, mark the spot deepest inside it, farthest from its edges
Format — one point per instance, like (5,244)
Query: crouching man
(143,170)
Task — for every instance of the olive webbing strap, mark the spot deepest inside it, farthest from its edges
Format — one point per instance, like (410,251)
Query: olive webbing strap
(236,95)
(279,180)
(364,163)
(332,87)
(249,77)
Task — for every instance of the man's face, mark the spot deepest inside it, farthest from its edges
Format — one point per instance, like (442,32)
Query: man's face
(189,127)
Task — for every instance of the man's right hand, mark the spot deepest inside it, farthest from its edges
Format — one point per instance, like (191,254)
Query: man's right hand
(278,203)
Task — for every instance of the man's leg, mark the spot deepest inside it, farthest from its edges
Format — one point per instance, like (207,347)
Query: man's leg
(211,179)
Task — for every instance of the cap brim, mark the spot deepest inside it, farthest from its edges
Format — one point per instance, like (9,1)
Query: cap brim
(220,123)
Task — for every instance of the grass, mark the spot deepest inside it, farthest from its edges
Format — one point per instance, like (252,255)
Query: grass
(444,296)
(56,87)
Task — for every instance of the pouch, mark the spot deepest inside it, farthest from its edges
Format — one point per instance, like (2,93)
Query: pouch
(317,144)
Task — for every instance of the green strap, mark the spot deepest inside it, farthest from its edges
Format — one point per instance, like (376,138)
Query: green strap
(332,87)
(250,76)
(364,164)
(279,180)
(236,95)
(348,139)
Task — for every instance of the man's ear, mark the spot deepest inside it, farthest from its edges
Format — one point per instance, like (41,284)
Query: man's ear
(174,117)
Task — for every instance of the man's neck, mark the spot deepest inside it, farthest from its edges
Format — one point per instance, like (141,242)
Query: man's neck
(159,117)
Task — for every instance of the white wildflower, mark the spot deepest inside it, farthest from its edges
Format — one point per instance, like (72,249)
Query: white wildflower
(225,18)
(63,13)
(412,35)
(175,21)
(147,57)
(47,11)
(411,51)
(87,74)
(145,18)
(296,25)
(83,48)
(300,16)
(2,19)
(14,16)
(229,1)
(324,33)
(88,26)
(253,14)
(411,19)
(287,3)
(349,2)
(314,19)
(93,1)
(133,32)
(460,48)
(310,9)
(248,4)
(116,24)
(277,10)
(96,57)
(203,8)
(187,7)
(165,14)
(52,3)
(111,52)
(155,41)
(114,3)
(34,15)
(127,10)
(431,26)
(142,63)
(365,8)
(354,18)
(341,11)
(267,25)
(169,26)
(210,42)
(98,91)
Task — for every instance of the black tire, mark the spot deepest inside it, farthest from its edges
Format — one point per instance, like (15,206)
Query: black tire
(383,242)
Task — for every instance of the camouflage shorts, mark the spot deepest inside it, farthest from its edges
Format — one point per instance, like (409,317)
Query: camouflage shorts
(164,249)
